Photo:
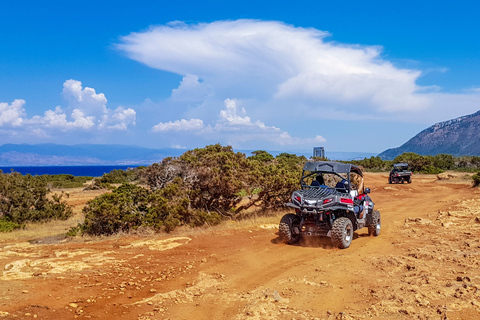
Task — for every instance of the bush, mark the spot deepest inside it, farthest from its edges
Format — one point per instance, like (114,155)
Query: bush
(65,180)
(8,226)
(129,207)
(375,164)
(476,179)
(24,199)
(202,186)
(120,176)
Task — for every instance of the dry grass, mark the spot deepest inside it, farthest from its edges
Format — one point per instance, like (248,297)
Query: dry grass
(77,198)
(268,220)
(34,231)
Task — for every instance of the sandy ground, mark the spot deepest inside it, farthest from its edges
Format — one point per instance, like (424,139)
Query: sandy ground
(424,265)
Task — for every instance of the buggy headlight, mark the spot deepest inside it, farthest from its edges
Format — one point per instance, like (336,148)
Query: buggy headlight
(327,200)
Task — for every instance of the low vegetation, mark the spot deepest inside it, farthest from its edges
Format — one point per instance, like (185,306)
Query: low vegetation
(115,176)
(201,187)
(423,164)
(476,179)
(65,180)
(24,199)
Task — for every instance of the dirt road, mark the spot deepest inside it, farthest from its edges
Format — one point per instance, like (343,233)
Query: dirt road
(424,265)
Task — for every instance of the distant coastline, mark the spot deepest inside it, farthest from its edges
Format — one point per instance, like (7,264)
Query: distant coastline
(89,171)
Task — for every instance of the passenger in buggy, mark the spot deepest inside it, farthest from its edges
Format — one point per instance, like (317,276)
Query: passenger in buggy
(318,182)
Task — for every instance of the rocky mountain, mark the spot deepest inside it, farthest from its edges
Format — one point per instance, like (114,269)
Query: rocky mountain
(460,136)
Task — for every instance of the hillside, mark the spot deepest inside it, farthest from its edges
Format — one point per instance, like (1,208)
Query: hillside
(460,136)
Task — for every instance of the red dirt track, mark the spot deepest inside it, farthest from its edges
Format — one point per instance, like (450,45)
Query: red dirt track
(424,265)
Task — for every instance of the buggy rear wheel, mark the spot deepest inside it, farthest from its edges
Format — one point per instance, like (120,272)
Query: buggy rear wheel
(342,233)
(289,228)
(374,228)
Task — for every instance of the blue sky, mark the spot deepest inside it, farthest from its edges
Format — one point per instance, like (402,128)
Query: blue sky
(273,75)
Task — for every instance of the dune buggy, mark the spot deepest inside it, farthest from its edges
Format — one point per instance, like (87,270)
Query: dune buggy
(400,173)
(332,202)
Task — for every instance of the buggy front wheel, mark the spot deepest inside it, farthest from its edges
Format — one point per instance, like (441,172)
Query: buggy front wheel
(342,233)
(289,228)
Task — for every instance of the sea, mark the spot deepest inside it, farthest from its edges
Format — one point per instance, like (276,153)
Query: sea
(89,171)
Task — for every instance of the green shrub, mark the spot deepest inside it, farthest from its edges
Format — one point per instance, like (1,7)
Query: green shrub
(24,199)
(8,226)
(476,179)
(130,206)
(97,184)
(66,180)
(120,176)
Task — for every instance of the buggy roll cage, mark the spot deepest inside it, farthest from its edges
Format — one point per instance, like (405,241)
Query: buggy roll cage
(400,166)
(331,167)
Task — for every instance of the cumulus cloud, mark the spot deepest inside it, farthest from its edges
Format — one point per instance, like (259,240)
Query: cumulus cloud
(191,89)
(179,125)
(57,119)
(12,114)
(290,77)
(279,62)
(85,99)
(118,119)
(234,127)
(86,112)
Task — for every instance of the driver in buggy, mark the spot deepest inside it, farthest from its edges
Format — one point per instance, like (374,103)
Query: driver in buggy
(358,199)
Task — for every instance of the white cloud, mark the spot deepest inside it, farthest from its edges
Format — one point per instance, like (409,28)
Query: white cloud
(86,112)
(179,125)
(278,62)
(191,89)
(57,119)
(85,99)
(234,127)
(118,119)
(230,117)
(293,78)
(12,114)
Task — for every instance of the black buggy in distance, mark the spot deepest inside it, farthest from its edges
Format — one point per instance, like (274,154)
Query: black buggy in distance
(332,202)
(400,173)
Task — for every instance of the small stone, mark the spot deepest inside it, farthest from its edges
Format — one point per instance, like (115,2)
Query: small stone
(153,290)
(73,305)
(24,291)
(276,296)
